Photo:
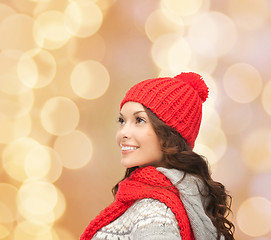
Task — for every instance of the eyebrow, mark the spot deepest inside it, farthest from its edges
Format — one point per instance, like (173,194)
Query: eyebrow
(135,113)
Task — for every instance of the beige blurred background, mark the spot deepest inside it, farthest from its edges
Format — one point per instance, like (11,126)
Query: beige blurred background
(64,68)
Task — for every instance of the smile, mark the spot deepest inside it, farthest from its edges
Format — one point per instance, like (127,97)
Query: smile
(128,148)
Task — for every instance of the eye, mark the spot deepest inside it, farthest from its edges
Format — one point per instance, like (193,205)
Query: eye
(121,121)
(140,120)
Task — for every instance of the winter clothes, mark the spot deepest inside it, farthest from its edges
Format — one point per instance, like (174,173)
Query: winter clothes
(148,206)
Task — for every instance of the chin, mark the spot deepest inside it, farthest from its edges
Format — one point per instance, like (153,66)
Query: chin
(127,164)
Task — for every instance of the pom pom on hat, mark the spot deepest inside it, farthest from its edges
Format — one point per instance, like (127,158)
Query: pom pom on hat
(195,81)
(176,101)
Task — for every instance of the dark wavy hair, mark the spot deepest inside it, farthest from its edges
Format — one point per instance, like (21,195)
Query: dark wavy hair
(178,155)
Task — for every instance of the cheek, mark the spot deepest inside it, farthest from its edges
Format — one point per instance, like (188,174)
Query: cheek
(153,144)
(155,150)
(117,137)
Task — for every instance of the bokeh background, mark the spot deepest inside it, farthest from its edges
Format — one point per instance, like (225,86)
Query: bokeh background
(64,68)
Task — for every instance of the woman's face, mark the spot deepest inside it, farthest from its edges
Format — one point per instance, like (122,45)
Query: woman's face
(136,138)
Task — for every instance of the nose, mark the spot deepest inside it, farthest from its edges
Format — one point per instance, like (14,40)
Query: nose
(124,131)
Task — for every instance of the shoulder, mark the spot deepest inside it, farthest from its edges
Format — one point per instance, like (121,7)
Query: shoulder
(154,220)
(147,203)
(149,208)
(146,211)
(145,219)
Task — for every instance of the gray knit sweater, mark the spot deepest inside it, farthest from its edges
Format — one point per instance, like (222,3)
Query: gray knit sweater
(149,219)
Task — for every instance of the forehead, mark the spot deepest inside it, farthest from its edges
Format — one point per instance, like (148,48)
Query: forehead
(131,107)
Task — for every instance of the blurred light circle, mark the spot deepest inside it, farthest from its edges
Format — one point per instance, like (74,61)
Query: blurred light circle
(37,162)
(105,5)
(37,197)
(9,80)
(60,115)
(266,98)
(13,128)
(179,55)
(14,157)
(210,117)
(140,11)
(27,70)
(242,82)
(55,235)
(75,149)
(225,168)
(55,168)
(250,17)
(6,214)
(260,185)
(15,39)
(166,73)
(207,152)
(211,139)
(83,49)
(236,117)
(36,68)
(203,59)
(213,28)
(33,228)
(8,195)
(90,79)
(63,233)
(5,11)
(50,31)
(256,150)
(39,1)
(44,217)
(161,47)
(158,25)
(60,206)
(213,91)
(214,138)
(27,7)
(254,216)
(32,231)
(180,8)
(4,231)
(83,18)
(16,105)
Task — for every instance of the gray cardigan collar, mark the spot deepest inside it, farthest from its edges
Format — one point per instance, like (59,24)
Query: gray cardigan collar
(201,224)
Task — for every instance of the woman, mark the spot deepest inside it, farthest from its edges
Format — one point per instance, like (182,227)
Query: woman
(167,191)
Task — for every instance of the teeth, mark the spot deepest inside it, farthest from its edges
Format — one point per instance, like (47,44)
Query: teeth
(126,148)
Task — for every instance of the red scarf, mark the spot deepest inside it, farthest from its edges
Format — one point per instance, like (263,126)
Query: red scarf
(144,182)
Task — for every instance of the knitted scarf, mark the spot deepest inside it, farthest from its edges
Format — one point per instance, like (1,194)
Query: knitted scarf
(144,182)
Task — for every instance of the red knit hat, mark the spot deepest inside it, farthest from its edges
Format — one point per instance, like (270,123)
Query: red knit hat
(176,101)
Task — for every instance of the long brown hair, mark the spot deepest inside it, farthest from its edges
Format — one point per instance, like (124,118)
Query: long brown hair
(178,155)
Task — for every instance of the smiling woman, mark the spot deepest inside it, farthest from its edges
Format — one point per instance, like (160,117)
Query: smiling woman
(167,191)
